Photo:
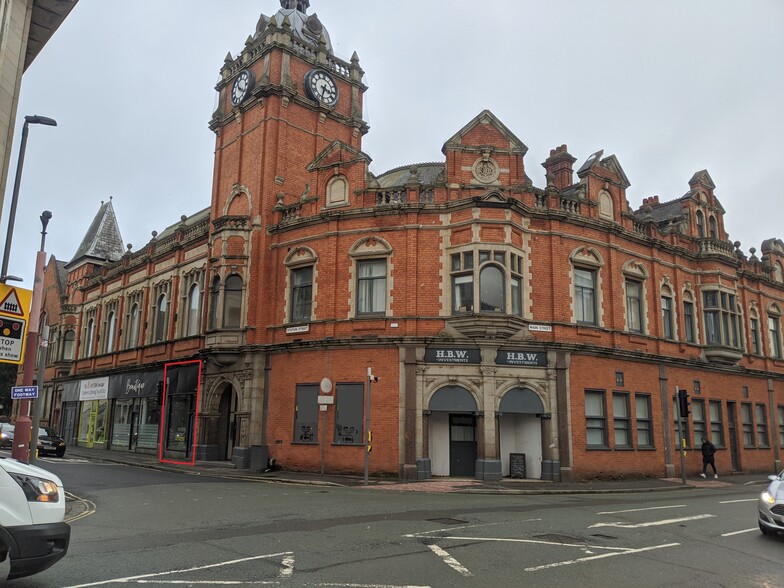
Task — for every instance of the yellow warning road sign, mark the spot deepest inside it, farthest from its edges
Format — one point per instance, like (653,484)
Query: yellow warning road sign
(14,316)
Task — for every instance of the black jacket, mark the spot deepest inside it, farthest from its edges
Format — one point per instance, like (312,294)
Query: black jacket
(708,449)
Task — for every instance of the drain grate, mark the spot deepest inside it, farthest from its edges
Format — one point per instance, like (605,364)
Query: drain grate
(447,521)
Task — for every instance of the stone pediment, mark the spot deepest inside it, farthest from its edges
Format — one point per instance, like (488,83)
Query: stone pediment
(473,137)
(338,153)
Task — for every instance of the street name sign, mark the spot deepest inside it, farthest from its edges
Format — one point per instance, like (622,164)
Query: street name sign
(24,392)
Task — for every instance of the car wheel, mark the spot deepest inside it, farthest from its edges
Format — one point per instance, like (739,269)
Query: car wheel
(765,530)
(60,452)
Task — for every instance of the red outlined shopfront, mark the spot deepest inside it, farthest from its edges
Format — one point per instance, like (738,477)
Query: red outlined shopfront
(180,397)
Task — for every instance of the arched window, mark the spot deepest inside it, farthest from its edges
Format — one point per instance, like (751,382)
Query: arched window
(109,335)
(712,225)
(700,224)
(133,326)
(689,327)
(68,345)
(774,331)
(232,302)
(161,319)
(192,326)
(88,343)
(754,331)
(492,289)
(54,346)
(212,319)
(667,309)
(606,206)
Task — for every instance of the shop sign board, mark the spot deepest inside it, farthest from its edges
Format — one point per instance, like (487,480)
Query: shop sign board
(14,316)
(95,389)
(521,358)
(452,355)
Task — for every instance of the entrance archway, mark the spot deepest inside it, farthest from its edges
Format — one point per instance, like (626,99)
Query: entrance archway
(227,423)
(452,432)
(520,430)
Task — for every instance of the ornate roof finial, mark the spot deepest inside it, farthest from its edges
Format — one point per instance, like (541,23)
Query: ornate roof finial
(301,5)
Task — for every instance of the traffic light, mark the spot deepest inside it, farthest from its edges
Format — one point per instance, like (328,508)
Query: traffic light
(683,403)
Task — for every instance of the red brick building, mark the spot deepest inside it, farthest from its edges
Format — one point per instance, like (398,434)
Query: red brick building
(514,329)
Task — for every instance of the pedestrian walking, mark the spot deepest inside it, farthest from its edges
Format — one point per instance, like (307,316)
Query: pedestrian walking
(708,451)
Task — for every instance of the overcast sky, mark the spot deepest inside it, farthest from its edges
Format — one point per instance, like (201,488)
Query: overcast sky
(670,87)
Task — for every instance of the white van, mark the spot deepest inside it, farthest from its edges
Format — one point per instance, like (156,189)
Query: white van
(33,535)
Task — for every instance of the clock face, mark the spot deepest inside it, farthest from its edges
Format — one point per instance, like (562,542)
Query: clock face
(322,87)
(242,87)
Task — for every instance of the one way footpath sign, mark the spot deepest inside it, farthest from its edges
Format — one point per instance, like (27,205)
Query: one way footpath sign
(14,314)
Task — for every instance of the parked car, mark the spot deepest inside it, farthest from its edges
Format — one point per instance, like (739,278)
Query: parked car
(33,534)
(50,443)
(771,506)
(6,435)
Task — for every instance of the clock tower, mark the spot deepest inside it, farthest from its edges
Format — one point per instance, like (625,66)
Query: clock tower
(286,105)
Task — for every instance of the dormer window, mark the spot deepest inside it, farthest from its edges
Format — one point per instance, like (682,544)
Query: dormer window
(712,224)
(700,224)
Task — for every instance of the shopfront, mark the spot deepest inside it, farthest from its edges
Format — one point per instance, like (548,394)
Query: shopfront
(93,408)
(136,412)
(180,404)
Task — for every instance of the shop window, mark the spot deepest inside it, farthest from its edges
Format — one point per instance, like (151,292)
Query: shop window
(621,421)
(232,302)
(642,405)
(349,402)
(69,339)
(700,224)
(698,420)
(762,426)
(585,295)
(595,420)
(306,414)
(721,317)
(668,329)
(717,425)
(747,425)
(774,331)
(301,294)
(371,286)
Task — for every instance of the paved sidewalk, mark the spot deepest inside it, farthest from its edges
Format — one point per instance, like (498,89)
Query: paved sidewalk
(224,469)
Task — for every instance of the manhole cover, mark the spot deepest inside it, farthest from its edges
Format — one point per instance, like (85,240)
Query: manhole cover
(447,521)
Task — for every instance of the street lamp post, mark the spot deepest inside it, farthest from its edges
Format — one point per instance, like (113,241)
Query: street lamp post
(43,340)
(29,120)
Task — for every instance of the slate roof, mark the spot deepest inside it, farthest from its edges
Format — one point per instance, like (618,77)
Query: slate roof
(185,221)
(102,240)
(427,173)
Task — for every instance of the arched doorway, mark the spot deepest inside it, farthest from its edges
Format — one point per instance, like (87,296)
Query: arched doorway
(520,430)
(227,423)
(452,432)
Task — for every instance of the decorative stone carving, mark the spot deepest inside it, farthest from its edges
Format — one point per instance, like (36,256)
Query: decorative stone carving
(485,170)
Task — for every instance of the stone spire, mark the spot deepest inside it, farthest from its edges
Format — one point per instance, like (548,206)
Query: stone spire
(103,240)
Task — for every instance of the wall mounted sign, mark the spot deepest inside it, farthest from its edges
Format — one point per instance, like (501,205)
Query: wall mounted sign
(521,358)
(452,355)
(541,328)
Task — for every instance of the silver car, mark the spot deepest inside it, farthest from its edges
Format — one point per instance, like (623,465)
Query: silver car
(771,506)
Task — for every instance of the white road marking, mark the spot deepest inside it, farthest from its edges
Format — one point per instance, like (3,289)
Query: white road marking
(288,566)
(450,561)
(594,557)
(739,532)
(536,541)
(193,569)
(425,533)
(744,500)
(607,512)
(652,523)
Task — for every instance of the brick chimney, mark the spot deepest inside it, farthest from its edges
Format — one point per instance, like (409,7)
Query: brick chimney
(558,167)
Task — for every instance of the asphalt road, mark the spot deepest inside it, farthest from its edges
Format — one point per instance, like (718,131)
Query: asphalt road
(142,527)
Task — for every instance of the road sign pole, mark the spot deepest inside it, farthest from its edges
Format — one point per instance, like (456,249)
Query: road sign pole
(22,429)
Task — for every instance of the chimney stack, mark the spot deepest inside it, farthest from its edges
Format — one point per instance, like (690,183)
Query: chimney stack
(559,167)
